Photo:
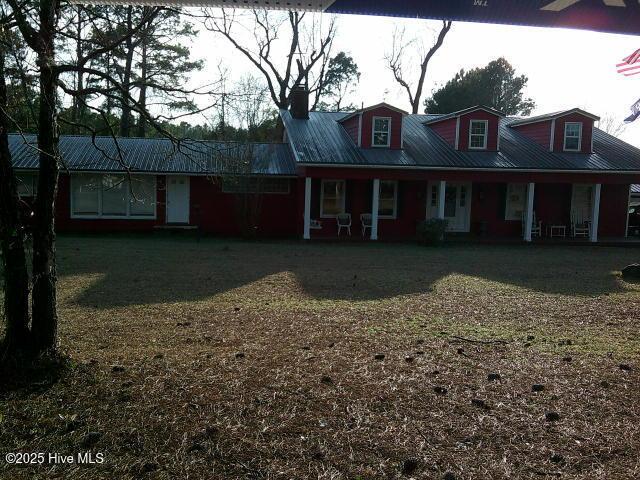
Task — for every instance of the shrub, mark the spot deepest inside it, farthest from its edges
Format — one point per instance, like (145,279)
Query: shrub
(431,232)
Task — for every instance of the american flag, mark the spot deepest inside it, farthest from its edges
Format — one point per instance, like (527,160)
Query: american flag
(630,65)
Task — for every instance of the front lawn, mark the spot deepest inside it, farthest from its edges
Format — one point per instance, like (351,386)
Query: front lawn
(222,359)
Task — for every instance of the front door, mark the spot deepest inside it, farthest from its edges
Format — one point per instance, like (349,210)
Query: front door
(177,199)
(457,205)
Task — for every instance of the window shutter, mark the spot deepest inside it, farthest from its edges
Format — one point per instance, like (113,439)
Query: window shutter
(400,199)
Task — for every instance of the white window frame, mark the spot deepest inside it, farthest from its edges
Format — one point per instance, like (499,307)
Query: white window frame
(344,197)
(226,188)
(373,132)
(21,181)
(485,137)
(128,215)
(395,200)
(507,203)
(566,126)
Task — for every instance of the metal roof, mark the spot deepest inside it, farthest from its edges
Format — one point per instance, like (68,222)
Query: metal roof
(157,155)
(552,116)
(459,113)
(373,107)
(322,140)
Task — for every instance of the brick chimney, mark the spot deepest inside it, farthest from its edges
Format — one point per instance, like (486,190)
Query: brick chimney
(299,102)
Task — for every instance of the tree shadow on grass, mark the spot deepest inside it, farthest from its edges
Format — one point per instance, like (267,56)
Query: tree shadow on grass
(31,376)
(120,271)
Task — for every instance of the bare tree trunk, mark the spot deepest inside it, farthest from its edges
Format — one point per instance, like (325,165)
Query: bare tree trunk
(44,322)
(77,112)
(125,119)
(142,98)
(395,64)
(16,279)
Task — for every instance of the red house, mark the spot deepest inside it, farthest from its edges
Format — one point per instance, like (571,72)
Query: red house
(378,169)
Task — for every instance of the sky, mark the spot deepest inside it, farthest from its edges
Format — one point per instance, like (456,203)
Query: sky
(566,68)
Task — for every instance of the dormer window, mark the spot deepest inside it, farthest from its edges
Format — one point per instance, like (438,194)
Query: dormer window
(381,136)
(572,136)
(478,134)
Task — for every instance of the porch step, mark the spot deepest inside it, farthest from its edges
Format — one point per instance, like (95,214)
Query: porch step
(176,226)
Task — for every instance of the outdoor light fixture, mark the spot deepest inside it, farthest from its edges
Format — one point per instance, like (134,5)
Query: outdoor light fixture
(613,16)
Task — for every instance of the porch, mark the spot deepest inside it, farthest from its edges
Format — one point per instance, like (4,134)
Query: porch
(390,208)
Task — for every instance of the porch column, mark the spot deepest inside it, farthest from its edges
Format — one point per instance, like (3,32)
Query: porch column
(528,215)
(595,213)
(307,208)
(374,209)
(442,187)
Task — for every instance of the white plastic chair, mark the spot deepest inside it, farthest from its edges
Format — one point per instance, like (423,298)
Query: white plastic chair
(344,221)
(365,220)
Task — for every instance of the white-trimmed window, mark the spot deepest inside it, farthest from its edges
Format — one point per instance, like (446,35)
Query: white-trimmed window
(113,196)
(27,184)
(260,185)
(515,201)
(332,198)
(381,135)
(572,136)
(388,200)
(478,134)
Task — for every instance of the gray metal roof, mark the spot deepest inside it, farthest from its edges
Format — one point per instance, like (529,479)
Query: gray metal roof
(157,155)
(553,115)
(459,113)
(322,140)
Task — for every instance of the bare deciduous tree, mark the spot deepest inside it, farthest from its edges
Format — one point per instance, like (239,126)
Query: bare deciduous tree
(400,56)
(610,124)
(305,43)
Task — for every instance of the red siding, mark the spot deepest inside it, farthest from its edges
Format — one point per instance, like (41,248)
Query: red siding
(216,212)
(447,130)
(539,132)
(210,210)
(465,123)
(587,132)
(614,205)
(352,126)
(396,126)
(281,215)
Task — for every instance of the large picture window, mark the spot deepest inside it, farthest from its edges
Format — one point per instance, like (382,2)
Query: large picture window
(381,132)
(27,184)
(572,136)
(388,201)
(113,196)
(262,185)
(478,133)
(333,198)
(515,202)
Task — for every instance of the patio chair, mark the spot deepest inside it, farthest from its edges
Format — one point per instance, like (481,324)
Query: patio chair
(579,226)
(314,224)
(365,220)
(536,226)
(344,221)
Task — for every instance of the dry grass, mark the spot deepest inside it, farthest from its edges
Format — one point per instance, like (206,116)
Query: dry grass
(308,399)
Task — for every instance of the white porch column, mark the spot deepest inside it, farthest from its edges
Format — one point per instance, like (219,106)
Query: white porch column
(307,208)
(595,213)
(442,187)
(528,214)
(374,209)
